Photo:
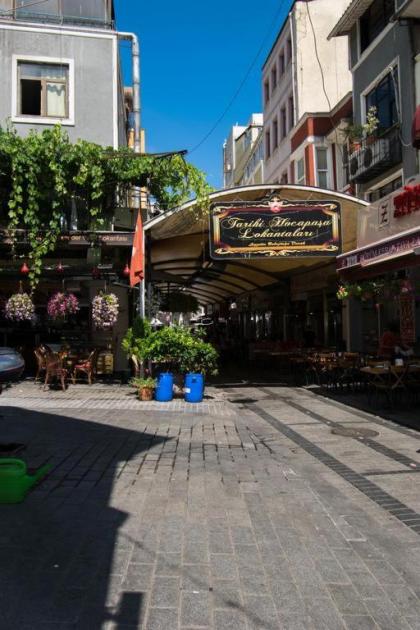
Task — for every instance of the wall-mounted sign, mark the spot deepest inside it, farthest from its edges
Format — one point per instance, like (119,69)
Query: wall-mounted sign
(391,248)
(407,202)
(275,228)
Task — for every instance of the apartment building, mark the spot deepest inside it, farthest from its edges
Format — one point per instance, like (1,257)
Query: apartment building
(384,51)
(305,77)
(59,63)
(242,154)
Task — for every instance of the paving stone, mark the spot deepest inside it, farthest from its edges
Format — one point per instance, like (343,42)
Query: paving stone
(195,609)
(229,620)
(168,564)
(360,622)
(162,619)
(165,592)
(138,577)
(260,612)
(223,566)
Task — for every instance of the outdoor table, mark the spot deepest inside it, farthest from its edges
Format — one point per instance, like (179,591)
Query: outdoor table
(389,378)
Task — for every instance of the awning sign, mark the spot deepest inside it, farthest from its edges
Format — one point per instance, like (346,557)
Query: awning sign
(275,229)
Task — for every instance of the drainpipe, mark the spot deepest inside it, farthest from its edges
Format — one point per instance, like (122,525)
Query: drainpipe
(135,54)
(294,90)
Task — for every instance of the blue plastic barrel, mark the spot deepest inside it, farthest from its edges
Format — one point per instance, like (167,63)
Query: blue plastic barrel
(194,388)
(164,388)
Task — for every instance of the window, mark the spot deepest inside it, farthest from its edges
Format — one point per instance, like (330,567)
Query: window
(275,134)
(374,20)
(281,64)
(283,179)
(283,119)
(383,98)
(273,79)
(300,172)
(267,145)
(384,190)
(289,50)
(322,166)
(266,92)
(43,89)
(291,113)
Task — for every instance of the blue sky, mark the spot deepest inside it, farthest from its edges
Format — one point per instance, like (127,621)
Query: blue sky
(194,56)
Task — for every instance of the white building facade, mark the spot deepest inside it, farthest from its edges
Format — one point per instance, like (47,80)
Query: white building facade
(241,162)
(304,73)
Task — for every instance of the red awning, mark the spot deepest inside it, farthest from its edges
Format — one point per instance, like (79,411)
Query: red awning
(416,128)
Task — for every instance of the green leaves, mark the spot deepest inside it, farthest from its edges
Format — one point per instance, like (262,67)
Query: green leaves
(43,172)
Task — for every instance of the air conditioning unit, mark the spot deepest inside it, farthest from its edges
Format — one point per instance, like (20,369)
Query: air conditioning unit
(375,153)
(369,157)
(355,164)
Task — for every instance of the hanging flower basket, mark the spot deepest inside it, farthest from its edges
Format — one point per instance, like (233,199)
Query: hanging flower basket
(19,308)
(61,304)
(105,311)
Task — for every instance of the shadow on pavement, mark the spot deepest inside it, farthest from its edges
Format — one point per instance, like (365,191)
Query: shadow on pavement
(62,562)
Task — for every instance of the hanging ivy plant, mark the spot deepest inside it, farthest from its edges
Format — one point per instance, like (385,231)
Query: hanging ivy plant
(42,173)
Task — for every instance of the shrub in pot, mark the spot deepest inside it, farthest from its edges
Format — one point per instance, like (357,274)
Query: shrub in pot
(135,342)
(145,387)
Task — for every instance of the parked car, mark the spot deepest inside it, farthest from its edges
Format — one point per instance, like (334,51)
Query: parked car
(11,365)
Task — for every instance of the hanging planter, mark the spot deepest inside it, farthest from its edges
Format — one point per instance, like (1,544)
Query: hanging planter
(61,304)
(105,311)
(19,307)
(179,302)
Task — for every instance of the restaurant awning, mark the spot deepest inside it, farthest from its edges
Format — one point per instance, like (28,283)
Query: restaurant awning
(179,246)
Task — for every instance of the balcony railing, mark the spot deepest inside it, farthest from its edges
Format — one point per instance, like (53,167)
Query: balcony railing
(374,156)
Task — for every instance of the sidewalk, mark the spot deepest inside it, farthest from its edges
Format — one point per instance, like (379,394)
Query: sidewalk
(247,512)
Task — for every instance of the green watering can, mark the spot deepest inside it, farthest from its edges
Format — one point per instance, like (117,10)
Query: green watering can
(15,483)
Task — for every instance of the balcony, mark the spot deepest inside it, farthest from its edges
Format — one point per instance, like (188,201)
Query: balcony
(374,156)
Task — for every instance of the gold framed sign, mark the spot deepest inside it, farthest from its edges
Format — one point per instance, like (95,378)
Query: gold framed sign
(275,228)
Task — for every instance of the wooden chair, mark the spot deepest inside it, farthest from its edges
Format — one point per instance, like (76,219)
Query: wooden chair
(41,354)
(87,367)
(54,369)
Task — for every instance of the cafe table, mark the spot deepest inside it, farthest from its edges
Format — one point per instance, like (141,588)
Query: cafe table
(390,378)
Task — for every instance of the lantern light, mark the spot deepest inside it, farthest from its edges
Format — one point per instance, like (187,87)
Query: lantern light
(24,269)
(126,270)
(60,267)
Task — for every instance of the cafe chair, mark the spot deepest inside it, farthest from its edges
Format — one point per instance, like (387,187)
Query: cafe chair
(41,354)
(87,367)
(54,369)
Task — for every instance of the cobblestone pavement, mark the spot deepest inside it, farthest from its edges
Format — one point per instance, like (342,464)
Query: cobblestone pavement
(249,514)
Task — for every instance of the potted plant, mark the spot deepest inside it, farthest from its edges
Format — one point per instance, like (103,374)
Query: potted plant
(134,342)
(145,387)
(19,307)
(356,133)
(61,304)
(105,310)
(198,359)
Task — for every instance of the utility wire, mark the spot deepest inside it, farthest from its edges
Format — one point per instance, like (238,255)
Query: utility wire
(242,83)
(324,88)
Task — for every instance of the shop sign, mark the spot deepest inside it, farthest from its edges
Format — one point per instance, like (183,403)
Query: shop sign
(275,229)
(391,248)
(123,239)
(407,201)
